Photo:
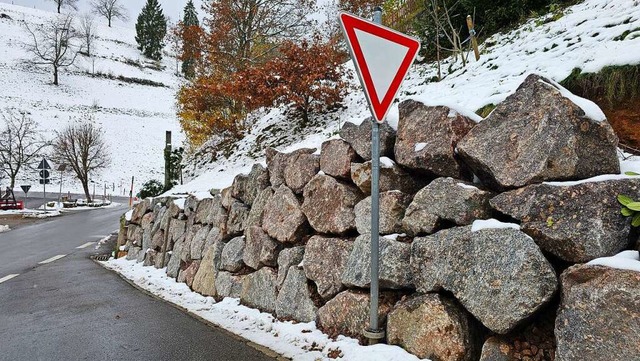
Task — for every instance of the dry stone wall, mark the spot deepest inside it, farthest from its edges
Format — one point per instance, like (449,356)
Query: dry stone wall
(293,239)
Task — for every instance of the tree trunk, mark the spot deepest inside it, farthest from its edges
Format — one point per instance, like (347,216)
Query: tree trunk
(59,5)
(109,18)
(13,181)
(85,188)
(55,75)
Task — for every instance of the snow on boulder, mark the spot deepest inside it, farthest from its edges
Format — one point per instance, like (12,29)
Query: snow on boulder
(599,314)
(427,139)
(575,223)
(539,134)
(499,275)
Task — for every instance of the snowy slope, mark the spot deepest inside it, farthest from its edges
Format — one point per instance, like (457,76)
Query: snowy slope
(134,117)
(583,37)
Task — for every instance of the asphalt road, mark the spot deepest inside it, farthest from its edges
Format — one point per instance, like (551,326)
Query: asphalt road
(71,308)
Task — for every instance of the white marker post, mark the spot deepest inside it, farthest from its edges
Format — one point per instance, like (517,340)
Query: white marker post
(382,58)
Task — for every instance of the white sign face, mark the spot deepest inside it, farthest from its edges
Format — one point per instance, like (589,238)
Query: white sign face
(382,58)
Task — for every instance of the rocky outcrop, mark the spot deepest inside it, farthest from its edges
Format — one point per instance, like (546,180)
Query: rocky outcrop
(392,177)
(294,299)
(539,134)
(301,167)
(329,204)
(359,137)
(427,139)
(446,200)
(324,262)
(433,327)
(394,269)
(348,313)
(499,275)
(259,290)
(576,223)
(393,205)
(336,157)
(283,217)
(232,255)
(599,317)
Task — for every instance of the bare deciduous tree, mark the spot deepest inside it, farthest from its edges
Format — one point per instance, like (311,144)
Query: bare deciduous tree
(110,9)
(69,3)
(88,31)
(21,143)
(81,145)
(53,43)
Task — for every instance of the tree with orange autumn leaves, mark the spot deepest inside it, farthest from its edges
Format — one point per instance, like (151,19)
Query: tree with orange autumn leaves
(253,55)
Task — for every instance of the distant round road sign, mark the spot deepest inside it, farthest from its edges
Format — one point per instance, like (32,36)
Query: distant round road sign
(44,174)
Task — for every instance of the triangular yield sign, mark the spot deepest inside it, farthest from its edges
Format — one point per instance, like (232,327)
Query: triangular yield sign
(382,58)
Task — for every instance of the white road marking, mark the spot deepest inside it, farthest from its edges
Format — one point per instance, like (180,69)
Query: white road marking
(85,245)
(6,278)
(54,258)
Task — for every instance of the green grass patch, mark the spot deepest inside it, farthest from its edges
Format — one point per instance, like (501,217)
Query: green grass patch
(615,84)
(486,110)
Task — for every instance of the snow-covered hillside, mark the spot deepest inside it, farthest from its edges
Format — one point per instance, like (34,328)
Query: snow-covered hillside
(134,117)
(584,37)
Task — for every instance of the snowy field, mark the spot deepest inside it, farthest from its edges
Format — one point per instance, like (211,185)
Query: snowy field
(298,341)
(584,37)
(134,117)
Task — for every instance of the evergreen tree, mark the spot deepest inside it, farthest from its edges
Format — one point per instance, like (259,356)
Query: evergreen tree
(190,34)
(151,29)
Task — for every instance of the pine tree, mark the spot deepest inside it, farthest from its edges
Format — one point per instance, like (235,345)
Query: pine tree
(151,29)
(190,32)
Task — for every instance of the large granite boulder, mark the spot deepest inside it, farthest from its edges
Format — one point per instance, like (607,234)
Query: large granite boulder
(277,162)
(190,206)
(236,221)
(539,133)
(139,210)
(135,234)
(328,205)
(336,157)
(427,139)
(257,209)
(324,262)
(205,279)
(295,298)
(228,285)
(283,217)
(259,290)
(232,254)
(288,257)
(446,200)
(198,242)
(576,223)
(498,274)
(392,177)
(348,313)
(301,167)
(393,205)
(239,187)
(260,249)
(189,274)
(359,136)
(394,267)
(433,327)
(257,181)
(599,317)
(173,267)
(177,230)
(211,212)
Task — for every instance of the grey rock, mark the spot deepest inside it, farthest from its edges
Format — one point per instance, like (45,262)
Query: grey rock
(198,242)
(288,257)
(205,279)
(232,254)
(147,224)
(259,290)
(294,299)
(336,157)
(260,249)
(257,181)
(211,212)
(192,231)
(446,199)
(329,205)
(395,270)
(133,253)
(427,139)
(173,267)
(237,218)
(576,223)
(177,230)
(324,262)
(301,167)
(391,178)
(283,218)
(393,205)
(139,210)
(536,135)
(190,206)
(499,275)
(227,197)
(229,285)
(497,349)
(149,258)
(135,234)
(239,187)
(359,136)
(257,209)
(599,315)
(433,327)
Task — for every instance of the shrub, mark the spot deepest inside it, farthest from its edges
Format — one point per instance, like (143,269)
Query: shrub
(151,188)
